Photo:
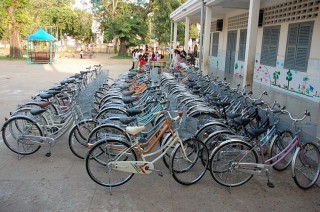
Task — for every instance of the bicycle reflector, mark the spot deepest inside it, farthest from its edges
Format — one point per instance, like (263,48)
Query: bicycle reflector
(180,113)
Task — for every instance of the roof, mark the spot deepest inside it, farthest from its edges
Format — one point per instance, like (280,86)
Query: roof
(41,35)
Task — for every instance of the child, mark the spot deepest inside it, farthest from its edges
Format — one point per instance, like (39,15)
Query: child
(81,54)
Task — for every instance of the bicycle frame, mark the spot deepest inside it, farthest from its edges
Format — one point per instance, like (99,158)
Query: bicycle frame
(146,167)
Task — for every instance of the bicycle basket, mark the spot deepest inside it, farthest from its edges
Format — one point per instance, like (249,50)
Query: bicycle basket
(187,127)
(308,132)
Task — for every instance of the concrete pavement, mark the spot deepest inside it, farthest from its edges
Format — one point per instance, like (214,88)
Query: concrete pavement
(60,183)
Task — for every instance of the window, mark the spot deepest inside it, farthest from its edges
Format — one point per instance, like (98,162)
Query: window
(242,44)
(215,44)
(298,46)
(269,49)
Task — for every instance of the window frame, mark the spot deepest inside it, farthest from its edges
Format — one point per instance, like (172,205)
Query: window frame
(242,45)
(297,46)
(215,45)
(265,58)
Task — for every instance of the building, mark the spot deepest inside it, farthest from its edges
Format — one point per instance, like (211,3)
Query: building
(275,43)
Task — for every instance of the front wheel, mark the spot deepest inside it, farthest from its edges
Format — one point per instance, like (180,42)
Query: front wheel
(306,166)
(98,158)
(279,143)
(78,137)
(189,161)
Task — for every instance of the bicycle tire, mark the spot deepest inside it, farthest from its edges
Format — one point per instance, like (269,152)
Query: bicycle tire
(107,131)
(78,137)
(306,157)
(279,143)
(96,164)
(21,126)
(221,171)
(193,168)
(203,133)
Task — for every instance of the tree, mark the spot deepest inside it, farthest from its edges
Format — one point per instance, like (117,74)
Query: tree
(276,76)
(127,26)
(14,19)
(162,23)
(289,77)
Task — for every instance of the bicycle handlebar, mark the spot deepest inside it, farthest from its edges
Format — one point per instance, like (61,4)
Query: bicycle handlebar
(307,113)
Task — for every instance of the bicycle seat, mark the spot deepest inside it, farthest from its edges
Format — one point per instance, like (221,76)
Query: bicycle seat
(124,86)
(221,104)
(53,92)
(233,115)
(45,95)
(133,111)
(127,93)
(254,133)
(128,99)
(35,112)
(134,130)
(242,121)
(127,120)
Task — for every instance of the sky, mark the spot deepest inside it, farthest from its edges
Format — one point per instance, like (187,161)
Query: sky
(82,4)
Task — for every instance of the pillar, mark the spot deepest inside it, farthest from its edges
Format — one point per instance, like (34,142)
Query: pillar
(206,40)
(252,32)
(186,34)
(175,32)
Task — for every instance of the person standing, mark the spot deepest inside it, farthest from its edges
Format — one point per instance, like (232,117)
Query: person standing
(81,54)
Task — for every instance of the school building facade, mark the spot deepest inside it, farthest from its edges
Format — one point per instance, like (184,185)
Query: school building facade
(272,42)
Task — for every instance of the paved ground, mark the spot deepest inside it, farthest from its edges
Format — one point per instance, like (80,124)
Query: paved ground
(60,183)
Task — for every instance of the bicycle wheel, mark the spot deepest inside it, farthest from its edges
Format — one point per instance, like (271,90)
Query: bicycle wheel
(204,132)
(279,143)
(306,166)
(78,137)
(108,112)
(225,160)
(104,152)
(216,138)
(189,161)
(108,131)
(17,132)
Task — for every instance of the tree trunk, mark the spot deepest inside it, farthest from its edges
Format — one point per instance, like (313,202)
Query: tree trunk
(14,35)
(123,48)
(116,46)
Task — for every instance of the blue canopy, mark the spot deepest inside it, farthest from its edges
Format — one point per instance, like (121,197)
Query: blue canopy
(41,35)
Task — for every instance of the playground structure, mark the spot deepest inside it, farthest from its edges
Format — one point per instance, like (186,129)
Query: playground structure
(41,47)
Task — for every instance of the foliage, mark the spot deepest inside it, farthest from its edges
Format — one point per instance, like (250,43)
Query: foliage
(193,31)
(121,57)
(161,21)
(128,24)
(276,76)
(289,77)
(20,16)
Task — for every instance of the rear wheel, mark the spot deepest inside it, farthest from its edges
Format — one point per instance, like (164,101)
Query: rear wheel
(306,166)
(20,135)
(98,158)
(225,160)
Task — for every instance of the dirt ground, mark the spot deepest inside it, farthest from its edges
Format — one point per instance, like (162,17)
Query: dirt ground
(60,182)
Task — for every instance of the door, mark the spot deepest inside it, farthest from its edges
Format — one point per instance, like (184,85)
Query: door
(231,52)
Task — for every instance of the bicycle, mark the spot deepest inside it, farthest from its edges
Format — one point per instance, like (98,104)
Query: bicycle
(112,157)
(234,162)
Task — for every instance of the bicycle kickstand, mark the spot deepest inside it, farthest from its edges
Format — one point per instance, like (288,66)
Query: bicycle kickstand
(48,154)
(269,184)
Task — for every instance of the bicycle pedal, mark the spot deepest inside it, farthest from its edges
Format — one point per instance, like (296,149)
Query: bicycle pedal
(48,154)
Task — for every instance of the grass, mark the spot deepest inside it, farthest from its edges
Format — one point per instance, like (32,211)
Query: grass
(11,58)
(121,57)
